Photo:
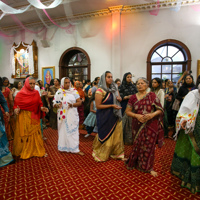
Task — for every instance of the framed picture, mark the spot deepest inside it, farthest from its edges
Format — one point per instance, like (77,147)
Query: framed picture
(198,68)
(48,73)
(25,60)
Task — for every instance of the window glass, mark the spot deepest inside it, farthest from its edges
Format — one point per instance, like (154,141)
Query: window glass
(166,69)
(155,76)
(175,77)
(166,76)
(177,68)
(172,51)
(156,58)
(162,51)
(168,54)
(156,68)
(77,67)
(167,59)
(178,57)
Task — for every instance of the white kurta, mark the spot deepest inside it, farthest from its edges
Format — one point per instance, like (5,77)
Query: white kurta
(68,121)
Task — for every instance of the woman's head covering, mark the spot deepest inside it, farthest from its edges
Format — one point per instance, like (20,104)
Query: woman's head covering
(112,89)
(63,82)
(27,99)
(70,90)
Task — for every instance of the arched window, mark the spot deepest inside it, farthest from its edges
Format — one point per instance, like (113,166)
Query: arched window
(75,63)
(168,60)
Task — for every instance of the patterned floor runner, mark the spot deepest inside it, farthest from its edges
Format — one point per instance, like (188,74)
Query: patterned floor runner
(70,176)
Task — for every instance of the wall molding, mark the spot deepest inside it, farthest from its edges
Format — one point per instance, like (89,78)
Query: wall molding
(105,12)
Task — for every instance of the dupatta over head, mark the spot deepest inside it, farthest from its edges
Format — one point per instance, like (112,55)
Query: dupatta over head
(112,89)
(27,99)
(70,90)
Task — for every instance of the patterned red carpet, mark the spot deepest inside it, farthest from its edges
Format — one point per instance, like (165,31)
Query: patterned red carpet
(69,176)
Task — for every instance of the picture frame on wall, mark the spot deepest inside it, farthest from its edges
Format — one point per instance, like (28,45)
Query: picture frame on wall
(48,73)
(198,68)
(25,60)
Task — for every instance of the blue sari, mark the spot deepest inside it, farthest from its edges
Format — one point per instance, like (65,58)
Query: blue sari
(5,155)
(106,120)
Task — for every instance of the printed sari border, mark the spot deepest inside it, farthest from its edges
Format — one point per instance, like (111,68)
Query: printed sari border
(140,129)
(106,97)
(109,134)
(141,98)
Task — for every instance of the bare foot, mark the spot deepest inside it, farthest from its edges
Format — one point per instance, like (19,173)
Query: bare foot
(80,153)
(154,174)
(124,159)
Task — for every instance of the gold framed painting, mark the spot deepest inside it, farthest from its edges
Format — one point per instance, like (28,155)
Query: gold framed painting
(26,60)
(48,73)
(198,68)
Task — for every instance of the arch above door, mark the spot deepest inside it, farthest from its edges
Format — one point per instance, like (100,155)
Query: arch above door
(75,64)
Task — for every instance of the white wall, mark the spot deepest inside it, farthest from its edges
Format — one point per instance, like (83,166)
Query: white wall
(139,33)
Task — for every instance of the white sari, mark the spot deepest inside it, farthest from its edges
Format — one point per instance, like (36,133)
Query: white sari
(68,120)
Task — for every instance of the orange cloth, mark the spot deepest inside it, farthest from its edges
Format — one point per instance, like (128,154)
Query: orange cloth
(80,91)
(28,140)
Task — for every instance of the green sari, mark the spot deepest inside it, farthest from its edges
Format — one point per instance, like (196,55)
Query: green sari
(186,160)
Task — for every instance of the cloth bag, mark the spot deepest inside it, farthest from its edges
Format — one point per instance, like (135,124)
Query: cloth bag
(176,105)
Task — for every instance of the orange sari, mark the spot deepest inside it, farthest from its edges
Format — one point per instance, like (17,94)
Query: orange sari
(28,140)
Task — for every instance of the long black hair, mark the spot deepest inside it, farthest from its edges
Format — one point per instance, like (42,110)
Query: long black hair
(159,81)
(188,85)
(92,98)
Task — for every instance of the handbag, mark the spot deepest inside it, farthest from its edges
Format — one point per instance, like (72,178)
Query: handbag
(176,105)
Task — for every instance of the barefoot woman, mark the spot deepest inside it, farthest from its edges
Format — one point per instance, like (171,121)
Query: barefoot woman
(67,100)
(147,112)
(109,141)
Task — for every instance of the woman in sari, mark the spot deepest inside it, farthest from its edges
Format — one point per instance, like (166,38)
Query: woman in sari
(53,111)
(7,93)
(5,155)
(67,100)
(29,109)
(126,90)
(147,112)
(186,160)
(109,140)
(81,107)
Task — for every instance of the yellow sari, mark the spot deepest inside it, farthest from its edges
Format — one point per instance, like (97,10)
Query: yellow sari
(28,140)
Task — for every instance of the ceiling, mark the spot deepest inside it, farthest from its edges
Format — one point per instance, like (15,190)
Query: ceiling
(78,9)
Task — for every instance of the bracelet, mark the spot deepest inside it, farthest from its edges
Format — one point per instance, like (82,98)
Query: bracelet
(72,105)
